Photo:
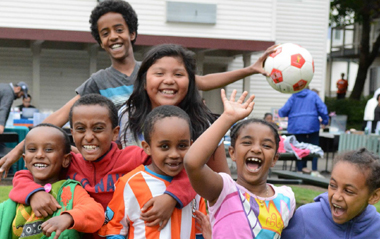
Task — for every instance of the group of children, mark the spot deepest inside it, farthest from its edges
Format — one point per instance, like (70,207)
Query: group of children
(143,188)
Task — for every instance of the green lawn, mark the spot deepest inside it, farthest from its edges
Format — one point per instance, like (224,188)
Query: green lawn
(303,195)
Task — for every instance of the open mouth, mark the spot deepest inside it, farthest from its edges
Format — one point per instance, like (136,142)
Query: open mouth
(40,165)
(174,166)
(253,164)
(89,147)
(116,46)
(337,210)
(168,92)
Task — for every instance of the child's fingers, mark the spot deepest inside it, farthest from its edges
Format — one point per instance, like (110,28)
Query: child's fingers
(233,95)
(153,223)
(242,97)
(250,100)
(163,224)
(57,234)
(146,206)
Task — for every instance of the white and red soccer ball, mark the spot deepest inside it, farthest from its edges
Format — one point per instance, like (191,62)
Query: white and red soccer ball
(291,68)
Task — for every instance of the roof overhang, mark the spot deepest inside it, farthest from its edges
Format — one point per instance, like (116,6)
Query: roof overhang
(209,46)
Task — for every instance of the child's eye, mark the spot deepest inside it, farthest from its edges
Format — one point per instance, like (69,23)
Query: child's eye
(119,30)
(164,146)
(31,149)
(349,192)
(104,34)
(183,146)
(179,74)
(48,150)
(331,185)
(246,143)
(98,129)
(159,74)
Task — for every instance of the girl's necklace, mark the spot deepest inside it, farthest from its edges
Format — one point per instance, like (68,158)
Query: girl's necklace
(262,202)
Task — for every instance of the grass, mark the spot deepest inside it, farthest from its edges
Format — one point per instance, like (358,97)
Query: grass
(303,195)
(4,191)
(306,195)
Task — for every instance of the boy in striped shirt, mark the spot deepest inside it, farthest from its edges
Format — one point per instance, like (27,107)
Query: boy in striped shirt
(167,139)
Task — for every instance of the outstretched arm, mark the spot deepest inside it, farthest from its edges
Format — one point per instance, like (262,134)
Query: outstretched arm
(217,80)
(206,182)
(58,118)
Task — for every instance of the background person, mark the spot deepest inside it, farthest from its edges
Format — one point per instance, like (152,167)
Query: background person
(342,86)
(8,93)
(26,100)
(369,111)
(303,109)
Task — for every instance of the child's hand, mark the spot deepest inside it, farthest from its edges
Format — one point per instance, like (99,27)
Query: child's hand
(202,223)
(158,210)
(57,224)
(237,110)
(43,204)
(258,66)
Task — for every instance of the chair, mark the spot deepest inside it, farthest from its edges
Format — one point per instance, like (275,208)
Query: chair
(7,137)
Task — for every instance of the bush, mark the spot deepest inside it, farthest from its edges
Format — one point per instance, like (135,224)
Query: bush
(354,109)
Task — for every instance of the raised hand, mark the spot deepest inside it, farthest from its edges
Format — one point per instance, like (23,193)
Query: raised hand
(258,66)
(239,109)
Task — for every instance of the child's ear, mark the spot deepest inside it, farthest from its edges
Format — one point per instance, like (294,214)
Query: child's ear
(375,197)
(275,159)
(231,151)
(132,36)
(115,133)
(23,156)
(66,160)
(146,147)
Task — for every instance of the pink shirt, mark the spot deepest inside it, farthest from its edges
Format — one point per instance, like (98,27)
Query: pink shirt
(240,214)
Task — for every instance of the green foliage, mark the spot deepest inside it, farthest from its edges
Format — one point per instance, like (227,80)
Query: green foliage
(354,109)
(344,12)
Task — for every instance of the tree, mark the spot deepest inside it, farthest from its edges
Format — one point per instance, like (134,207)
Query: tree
(345,12)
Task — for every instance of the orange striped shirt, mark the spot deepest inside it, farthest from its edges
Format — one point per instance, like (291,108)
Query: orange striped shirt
(132,191)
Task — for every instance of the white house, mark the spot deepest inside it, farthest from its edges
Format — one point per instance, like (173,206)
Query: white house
(47,43)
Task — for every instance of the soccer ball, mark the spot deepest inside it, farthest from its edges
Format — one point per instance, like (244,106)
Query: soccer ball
(291,68)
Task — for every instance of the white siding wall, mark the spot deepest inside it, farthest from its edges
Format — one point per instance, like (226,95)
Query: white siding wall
(15,66)
(61,73)
(303,22)
(239,19)
(46,14)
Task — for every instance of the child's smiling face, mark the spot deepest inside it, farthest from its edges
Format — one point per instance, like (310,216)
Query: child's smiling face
(167,82)
(92,130)
(169,143)
(44,154)
(348,193)
(254,153)
(115,36)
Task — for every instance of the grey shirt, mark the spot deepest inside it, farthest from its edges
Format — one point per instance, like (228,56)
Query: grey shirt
(6,99)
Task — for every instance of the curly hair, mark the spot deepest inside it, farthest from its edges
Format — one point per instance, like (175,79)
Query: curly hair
(236,129)
(162,112)
(139,105)
(118,6)
(96,99)
(366,162)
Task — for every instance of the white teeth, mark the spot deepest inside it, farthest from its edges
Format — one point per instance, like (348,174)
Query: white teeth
(168,91)
(115,46)
(336,206)
(89,146)
(40,165)
(254,160)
